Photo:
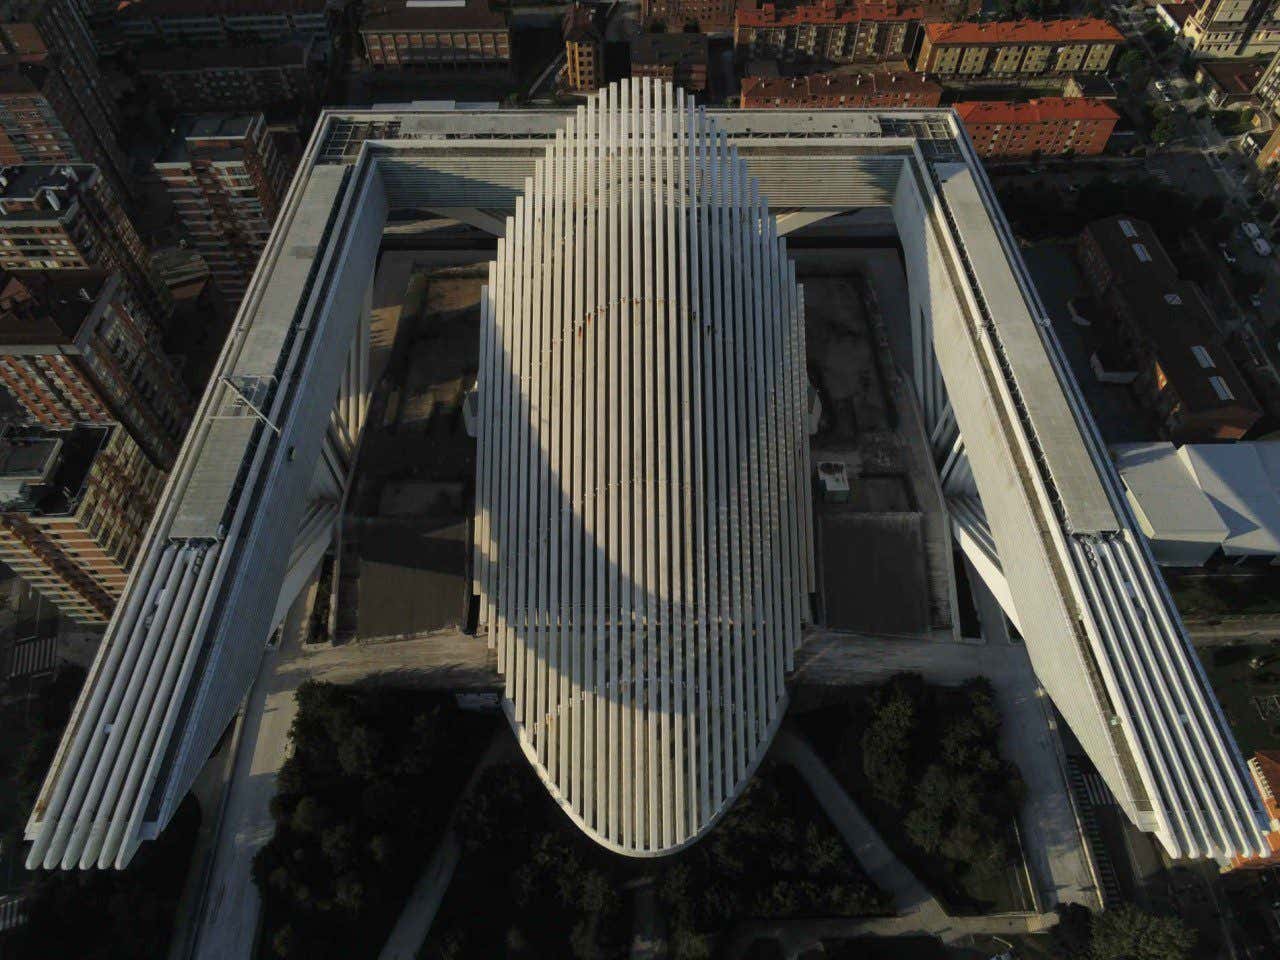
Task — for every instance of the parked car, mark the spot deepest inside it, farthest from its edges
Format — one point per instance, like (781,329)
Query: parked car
(1263,248)
(1227,255)
(1250,230)
(1255,301)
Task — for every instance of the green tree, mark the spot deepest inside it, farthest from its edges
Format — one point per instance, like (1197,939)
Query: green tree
(1128,933)
(886,745)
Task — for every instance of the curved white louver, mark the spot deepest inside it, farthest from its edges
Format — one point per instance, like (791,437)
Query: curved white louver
(642,524)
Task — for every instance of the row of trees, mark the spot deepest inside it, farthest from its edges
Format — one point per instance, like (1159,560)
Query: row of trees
(361,801)
(1125,933)
(550,891)
(931,756)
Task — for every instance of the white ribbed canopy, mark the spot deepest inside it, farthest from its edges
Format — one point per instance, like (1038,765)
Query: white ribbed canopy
(642,526)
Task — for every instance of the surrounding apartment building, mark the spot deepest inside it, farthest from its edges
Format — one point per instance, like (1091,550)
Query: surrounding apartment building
(1267,89)
(439,35)
(1049,126)
(226,181)
(830,31)
(46,112)
(74,505)
(678,14)
(1164,324)
(1234,28)
(1018,48)
(77,348)
(67,217)
(261,76)
(680,58)
(822,90)
(1229,84)
(583,50)
(204,22)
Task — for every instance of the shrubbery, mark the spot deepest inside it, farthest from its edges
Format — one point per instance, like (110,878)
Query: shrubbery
(924,761)
(553,892)
(373,777)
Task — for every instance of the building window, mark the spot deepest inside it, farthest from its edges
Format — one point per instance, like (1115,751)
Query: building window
(1221,389)
(1142,253)
(1203,358)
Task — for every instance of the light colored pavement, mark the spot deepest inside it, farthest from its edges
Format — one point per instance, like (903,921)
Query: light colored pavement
(227,923)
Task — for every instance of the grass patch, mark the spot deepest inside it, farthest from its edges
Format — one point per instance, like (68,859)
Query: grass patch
(550,891)
(361,803)
(1246,692)
(923,762)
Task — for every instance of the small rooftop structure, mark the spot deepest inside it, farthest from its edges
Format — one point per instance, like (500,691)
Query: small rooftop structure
(43,472)
(1241,480)
(47,309)
(206,126)
(25,461)
(1184,528)
(1194,499)
(31,187)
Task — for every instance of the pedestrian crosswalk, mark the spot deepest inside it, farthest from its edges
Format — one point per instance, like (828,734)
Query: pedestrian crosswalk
(1097,790)
(13,912)
(33,657)
(1090,793)
(1163,176)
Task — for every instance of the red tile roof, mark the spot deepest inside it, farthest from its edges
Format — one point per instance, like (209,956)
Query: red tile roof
(1046,108)
(1024,31)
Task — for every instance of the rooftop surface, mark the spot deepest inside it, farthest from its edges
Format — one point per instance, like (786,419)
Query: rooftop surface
(1045,109)
(669,47)
(206,131)
(1088,30)
(135,9)
(47,309)
(823,85)
(1171,503)
(412,15)
(1236,77)
(828,12)
(1131,248)
(1241,481)
(256,56)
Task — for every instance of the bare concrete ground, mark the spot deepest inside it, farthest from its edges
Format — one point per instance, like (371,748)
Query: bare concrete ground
(885,554)
(410,515)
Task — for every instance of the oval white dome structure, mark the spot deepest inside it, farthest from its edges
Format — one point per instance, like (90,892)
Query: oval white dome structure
(642,533)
